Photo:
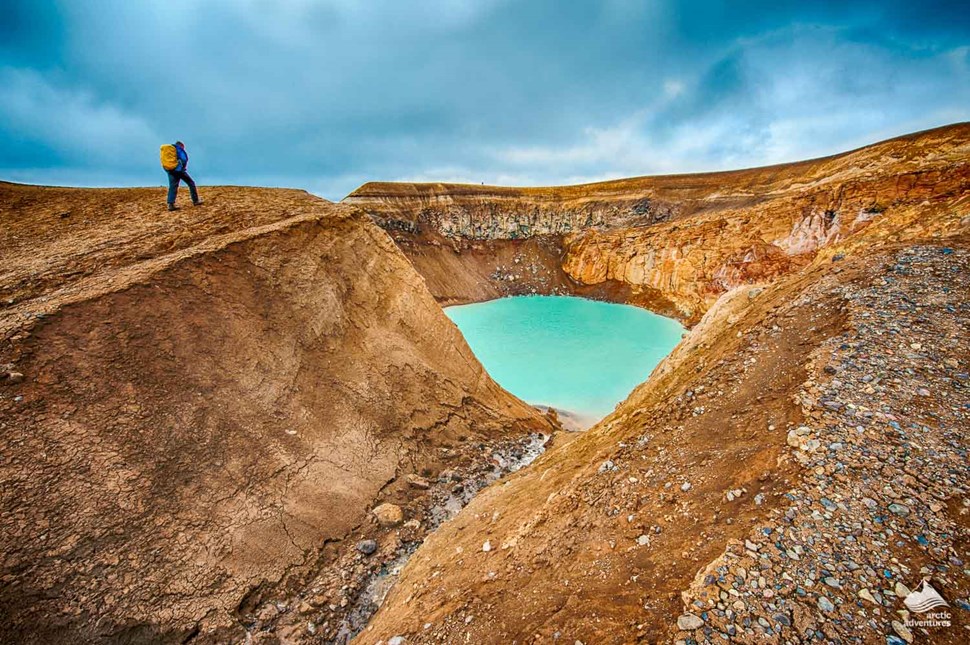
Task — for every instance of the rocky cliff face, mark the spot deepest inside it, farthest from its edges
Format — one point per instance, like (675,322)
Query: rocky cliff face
(487,216)
(199,411)
(677,242)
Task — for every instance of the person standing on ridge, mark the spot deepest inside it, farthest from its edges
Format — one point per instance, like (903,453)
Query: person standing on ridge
(175,161)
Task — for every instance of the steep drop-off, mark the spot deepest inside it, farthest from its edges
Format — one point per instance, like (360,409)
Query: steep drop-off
(199,410)
(674,243)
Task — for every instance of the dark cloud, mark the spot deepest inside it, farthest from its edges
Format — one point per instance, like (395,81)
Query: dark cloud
(326,95)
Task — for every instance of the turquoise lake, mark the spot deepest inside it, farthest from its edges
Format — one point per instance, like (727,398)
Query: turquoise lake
(572,354)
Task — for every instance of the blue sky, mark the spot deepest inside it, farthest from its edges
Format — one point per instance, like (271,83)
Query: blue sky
(328,94)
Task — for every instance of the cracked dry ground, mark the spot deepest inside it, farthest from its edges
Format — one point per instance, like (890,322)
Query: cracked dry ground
(799,465)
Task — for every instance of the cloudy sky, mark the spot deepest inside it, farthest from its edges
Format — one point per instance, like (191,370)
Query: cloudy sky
(328,94)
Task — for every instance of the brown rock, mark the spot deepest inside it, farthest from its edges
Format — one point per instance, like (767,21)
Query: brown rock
(388,515)
(319,600)
(411,531)
(268,611)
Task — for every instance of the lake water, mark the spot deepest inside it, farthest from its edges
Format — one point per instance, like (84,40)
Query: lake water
(572,354)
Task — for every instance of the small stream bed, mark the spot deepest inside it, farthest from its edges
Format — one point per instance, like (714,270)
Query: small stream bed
(448,496)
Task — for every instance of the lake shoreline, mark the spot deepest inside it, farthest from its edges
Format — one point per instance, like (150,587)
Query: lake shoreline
(569,420)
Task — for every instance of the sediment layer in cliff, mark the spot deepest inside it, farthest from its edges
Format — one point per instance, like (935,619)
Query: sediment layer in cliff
(671,243)
(199,409)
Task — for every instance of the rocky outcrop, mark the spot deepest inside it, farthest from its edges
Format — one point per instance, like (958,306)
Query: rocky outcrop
(210,406)
(495,213)
(691,263)
(673,243)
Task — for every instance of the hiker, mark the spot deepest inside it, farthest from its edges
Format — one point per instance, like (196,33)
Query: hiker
(175,161)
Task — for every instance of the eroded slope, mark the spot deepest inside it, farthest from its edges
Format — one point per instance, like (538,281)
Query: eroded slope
(210,404)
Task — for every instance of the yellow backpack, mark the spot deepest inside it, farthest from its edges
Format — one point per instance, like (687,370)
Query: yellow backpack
(169,156)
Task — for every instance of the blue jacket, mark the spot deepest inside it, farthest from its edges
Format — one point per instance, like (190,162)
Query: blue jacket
(183,159)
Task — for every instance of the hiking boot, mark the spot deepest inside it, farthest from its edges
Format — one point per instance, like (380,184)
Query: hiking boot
(173,207)
(198,203)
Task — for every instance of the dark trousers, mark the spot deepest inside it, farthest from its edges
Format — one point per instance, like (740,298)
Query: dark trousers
(174,177)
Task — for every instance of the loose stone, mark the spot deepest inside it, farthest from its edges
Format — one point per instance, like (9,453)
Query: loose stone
(418,482)
(689,622)
(903,631)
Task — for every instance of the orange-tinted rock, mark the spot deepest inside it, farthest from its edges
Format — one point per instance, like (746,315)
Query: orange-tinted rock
(671,243)
(388,515)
